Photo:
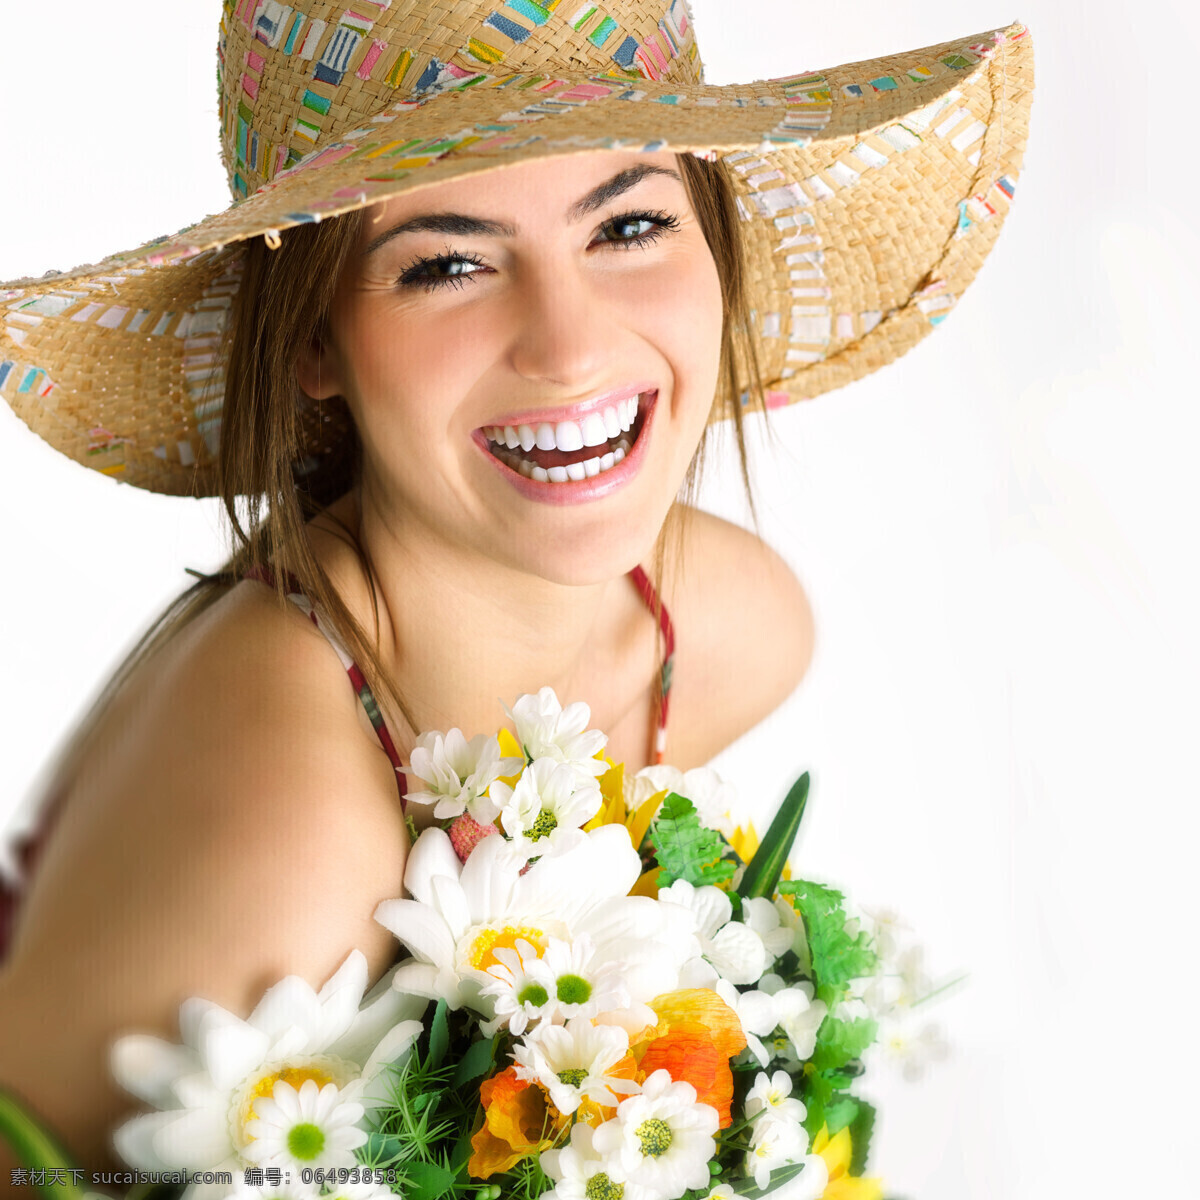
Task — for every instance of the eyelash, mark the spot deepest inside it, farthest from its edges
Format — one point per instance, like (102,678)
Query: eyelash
(412,275)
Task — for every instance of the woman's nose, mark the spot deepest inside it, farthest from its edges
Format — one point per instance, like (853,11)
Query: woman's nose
(562,330)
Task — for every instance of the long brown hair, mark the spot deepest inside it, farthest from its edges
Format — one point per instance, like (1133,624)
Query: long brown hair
(268,484)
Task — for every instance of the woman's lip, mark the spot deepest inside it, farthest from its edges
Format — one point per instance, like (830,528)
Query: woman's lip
(584,490)
(574,412)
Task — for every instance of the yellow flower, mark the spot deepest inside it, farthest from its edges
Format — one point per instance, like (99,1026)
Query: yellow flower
(613,810)
(836,1152)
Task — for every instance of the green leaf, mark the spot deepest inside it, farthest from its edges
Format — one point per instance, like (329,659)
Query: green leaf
(35,1146)
(439,1036)
(380,1148)
(475,1062)
(861,1129)
(684,848)
(748,1188)
(818,1092)
(427,1181)
(840,1114)
(840,1041)
(766,867)
(837,956)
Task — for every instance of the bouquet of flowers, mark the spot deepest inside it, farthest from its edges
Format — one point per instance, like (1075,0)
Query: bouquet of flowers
(613,993)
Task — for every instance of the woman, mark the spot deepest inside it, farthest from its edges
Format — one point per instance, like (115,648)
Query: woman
(373,364)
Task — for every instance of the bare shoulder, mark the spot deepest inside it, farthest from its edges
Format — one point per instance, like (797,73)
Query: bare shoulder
(744,633)
(230,826)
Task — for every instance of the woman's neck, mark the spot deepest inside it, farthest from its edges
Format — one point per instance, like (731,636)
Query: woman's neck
(461,632)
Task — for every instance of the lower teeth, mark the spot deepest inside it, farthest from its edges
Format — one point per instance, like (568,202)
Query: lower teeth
(562,474)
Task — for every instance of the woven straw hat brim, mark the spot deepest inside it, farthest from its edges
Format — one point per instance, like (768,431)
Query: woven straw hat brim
(870,194)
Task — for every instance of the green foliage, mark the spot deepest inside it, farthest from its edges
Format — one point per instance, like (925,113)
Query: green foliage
(837,955)
(766,867)
(439,1035)
(861,1129)
(840,1041)
(684,848)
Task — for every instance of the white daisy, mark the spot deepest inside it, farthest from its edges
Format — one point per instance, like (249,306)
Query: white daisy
(461,912)
(547,730)
(460,773)
(735,951)
(775,1142)
(544,812)
(580,1172)
(720,1191)
(307,1127)
(518,997)
(572,1062)
(206,1088)
(662,1137)
(756,1011)
(580,982)
(773,1095)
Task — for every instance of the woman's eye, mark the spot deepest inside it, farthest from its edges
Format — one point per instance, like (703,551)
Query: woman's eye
(431,273)
(634,229)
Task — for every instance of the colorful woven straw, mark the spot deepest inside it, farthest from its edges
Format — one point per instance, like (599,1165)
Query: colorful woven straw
(870,193)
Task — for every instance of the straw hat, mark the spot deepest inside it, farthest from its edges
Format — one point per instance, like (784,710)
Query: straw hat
(870,193)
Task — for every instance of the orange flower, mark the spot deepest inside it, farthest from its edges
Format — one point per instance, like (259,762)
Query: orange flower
(519,1120)
(836,1152)
(696,1036)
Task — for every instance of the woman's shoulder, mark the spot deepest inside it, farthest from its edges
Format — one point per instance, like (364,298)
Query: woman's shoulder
(236,744)
(744,633)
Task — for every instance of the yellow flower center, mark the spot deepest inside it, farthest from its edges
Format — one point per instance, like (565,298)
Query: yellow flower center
(481,953)
(655,1136)
(600,1187)
(266,1086)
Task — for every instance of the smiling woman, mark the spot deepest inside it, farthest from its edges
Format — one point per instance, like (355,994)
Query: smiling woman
(451,361)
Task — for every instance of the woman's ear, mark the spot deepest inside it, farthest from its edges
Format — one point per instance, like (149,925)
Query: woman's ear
(317,370)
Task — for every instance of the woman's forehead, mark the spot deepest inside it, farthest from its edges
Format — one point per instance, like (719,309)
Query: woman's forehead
(551,185)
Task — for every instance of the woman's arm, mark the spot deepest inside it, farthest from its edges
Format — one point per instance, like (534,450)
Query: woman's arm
(238,829)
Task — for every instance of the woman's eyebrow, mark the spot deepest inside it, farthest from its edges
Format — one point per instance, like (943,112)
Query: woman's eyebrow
(465,225)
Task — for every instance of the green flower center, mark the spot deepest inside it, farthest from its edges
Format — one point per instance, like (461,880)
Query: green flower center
(305,1141)
(600,1187)
(544,826)
(573,990)
(533,993)
(655,1136)
(573,1076)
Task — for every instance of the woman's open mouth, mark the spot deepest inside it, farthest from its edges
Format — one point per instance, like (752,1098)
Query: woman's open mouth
(572,450)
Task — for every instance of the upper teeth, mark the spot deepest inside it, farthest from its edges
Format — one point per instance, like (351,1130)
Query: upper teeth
(594,430)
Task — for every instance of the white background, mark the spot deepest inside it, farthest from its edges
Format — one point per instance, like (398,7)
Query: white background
(996,533)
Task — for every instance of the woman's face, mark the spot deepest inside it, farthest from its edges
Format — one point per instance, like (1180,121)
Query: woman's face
(533,298)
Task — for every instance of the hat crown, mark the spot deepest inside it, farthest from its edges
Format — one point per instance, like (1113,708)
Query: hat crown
(294,78)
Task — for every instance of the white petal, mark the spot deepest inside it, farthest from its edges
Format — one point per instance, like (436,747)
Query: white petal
(569,886)
(451,902)
(289,1002)
(197,1140)
(424,979)
(419,927)
(712,908)
(432,854)
(231,1051)
(738,954)
(392,1045)
(145,1066)
(383,1008)
(134,1140)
